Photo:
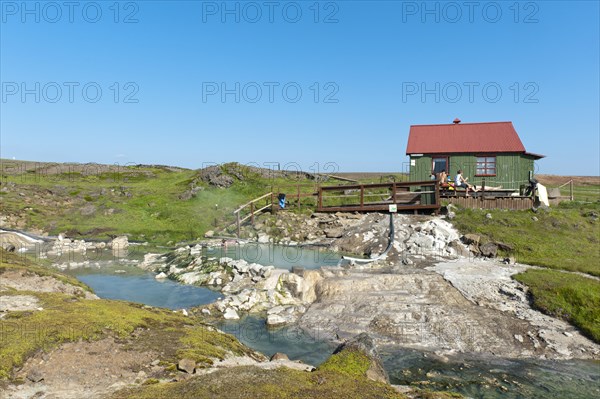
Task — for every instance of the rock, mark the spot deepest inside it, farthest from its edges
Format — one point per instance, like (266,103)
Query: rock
(567,334)
(187,365)
(519,337)
(274,320)
(488,215)
(334,233)
(119,242)
(119,246)
(460,249)
(534,218)
(364,343)
(160,276)
(230,314)
(489,250)
(35,375)
(504,247)
(451,215)
(263,238)
(279,356)
(424,242)
(209,234)
(470,239)
(206,312)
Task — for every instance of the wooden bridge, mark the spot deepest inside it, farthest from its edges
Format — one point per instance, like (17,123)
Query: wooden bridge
(378,197)
(390,197)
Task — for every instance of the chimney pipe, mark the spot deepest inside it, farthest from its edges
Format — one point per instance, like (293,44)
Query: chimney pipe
(456,121)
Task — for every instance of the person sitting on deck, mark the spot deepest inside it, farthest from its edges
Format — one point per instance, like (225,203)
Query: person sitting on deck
(442,179)
(462,182)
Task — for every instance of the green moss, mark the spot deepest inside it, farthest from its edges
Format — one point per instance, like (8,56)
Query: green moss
(252,382)
(570,297)
(427,394)
(351,362)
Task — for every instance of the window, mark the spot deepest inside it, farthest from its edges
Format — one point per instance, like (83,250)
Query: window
(486,166)
(439,164)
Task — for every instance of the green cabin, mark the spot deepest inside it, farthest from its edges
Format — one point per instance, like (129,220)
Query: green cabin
(490,152)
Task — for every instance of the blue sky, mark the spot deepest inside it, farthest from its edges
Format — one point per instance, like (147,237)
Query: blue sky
(319,85)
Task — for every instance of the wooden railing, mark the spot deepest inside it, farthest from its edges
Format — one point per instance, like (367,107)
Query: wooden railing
(253,209)
(420,195)
(570,183)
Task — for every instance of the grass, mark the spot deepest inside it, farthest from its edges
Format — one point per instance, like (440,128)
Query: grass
(67,318)
(566,237)
(571,297)
(342,376)
(140,201)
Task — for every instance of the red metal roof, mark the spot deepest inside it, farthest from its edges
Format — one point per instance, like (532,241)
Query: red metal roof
(464,138)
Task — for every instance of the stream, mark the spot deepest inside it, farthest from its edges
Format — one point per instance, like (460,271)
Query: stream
(475,377)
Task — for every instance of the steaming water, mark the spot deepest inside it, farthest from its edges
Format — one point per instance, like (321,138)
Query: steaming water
(283,257)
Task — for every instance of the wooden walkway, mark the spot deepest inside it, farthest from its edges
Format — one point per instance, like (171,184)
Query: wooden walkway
(378,197)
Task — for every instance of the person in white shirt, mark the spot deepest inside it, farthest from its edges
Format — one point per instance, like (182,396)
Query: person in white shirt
(460,181)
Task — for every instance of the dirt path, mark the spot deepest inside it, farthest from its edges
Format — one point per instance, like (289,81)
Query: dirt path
(82,370)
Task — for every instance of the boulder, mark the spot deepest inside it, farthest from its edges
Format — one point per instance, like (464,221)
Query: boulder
(230,314)
(35,375)
(459,248)
(187,365)
(119,246)
(119,242)
(279,356)
(489,250)
(160,276)
(334,233)
(263,238)
(274,320)
(470,239)
(504,246)
(363,343)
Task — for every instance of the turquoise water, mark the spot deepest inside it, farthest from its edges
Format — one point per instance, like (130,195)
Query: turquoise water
(495,378)
(135,285)
(280,256)
(294,342)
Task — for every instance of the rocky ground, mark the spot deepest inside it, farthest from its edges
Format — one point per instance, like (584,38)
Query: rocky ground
(435,290)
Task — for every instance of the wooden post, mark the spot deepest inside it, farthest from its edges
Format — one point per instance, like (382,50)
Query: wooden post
(298,196)
(482,189)
(437,196)
(362,196)
(571,190)
(320,199)
(252,213)
(238,225)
